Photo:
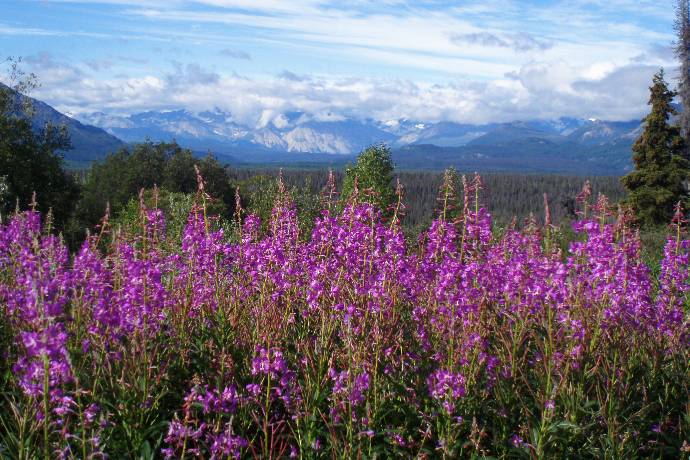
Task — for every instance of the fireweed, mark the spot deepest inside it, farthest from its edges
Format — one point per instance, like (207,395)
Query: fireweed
(350,342)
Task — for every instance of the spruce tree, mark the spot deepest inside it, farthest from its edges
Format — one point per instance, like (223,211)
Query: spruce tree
(661,173)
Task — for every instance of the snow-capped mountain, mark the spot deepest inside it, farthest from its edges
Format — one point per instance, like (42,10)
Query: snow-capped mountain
(564,145)
(300,132)
(290,132)
(443,134)
(597,132)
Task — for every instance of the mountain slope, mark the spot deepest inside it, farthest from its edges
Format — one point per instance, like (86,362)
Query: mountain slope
(88,142)
(531,155)
(508,133)
(599,132)
(561,145)
(443,134)
(291,132)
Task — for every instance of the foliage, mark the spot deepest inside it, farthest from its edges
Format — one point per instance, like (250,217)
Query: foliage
(120,176)
(30,162)
(372,175)
(260,192)
(179,176)
(662,168)
(174,205)
(470,343)
(508,195)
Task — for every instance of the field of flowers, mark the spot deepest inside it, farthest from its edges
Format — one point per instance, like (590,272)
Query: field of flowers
(351,342)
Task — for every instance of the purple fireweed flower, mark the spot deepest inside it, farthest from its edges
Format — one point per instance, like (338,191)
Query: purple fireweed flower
(92,293)
(198,432)
(446,387)
(226,445)
(316,444)
(91,413)
(142,295)
(607,273)
(517,441)
(269,368)
(201,266)
(674,285)
(398,439)
(356,293)
(348,390)
(36,302)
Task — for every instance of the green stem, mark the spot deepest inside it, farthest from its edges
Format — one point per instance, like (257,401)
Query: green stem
(46,408)
(266,411)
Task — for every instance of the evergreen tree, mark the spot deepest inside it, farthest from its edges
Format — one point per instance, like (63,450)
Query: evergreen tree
(119,177)
(661,173)
(374,174)
(682,27)
(180,176)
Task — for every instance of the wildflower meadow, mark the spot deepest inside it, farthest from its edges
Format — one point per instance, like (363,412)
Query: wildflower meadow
(257,340)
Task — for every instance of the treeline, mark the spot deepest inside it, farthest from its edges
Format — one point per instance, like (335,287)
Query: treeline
(506,196)
(114,186)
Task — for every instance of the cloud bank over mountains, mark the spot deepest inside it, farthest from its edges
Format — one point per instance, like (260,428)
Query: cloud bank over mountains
(535,91)
(465,62)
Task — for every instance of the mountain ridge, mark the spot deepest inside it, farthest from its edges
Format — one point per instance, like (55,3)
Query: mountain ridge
(299,132)
(563,145)
(88,142)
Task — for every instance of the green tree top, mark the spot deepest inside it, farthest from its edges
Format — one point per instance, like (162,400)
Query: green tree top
(661,173)
(120,176)
(374,172)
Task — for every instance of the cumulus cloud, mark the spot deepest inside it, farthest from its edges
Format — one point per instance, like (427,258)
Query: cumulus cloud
(99,64)
(535,57)
(53,72)
(287,75)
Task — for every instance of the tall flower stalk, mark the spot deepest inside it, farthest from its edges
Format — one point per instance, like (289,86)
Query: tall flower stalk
(348,342)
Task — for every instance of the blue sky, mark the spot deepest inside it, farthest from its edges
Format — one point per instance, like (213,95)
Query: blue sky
(465,61)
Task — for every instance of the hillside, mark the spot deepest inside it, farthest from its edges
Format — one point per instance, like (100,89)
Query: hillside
(88,142)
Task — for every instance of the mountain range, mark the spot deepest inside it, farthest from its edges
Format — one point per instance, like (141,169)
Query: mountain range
(564,145)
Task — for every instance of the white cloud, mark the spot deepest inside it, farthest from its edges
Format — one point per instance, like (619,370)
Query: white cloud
(10,30)
(535,90)
(412,31)
(493,60)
